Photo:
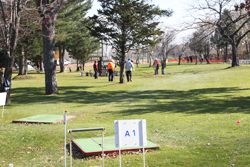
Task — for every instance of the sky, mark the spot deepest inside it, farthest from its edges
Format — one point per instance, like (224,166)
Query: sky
(178,6)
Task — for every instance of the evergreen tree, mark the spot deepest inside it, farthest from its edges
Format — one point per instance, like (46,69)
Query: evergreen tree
(72,33)
(48,10)
(126,24)
(29,45)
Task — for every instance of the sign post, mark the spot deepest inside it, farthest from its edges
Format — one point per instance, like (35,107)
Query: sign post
(3,100)
(130,133)
(65,122)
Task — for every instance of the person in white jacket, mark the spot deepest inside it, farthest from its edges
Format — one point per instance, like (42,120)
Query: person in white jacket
(129,66)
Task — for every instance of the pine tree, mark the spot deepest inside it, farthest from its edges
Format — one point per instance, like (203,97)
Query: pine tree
(72,33)
(126,24)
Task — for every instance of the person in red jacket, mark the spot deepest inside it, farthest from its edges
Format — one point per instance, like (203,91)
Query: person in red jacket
(95,66)
(157,64)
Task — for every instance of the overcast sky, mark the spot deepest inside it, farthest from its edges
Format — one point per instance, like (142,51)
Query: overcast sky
(178,6)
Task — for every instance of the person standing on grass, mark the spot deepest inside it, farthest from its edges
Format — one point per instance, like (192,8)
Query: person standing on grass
(16,66)
(111,69)
(95,66)
(157,64)
(129,66)
(187,59)
(38,67)
(201,58)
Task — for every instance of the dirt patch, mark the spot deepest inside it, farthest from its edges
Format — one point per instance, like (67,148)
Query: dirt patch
(22,77)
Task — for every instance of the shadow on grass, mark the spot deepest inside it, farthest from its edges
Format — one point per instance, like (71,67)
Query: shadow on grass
(195,101)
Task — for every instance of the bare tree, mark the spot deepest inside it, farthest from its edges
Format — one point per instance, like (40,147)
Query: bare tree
(221,15)
(181,50)
(195,45)
(11,12)
(218,43)
(166,46)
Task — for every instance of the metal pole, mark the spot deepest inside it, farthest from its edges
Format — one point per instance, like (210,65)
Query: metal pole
(65,122)
(143,140)
(102,148)
(143,144)
(143,155)
(70,147)
(86,129)
(120,159)
(80,130)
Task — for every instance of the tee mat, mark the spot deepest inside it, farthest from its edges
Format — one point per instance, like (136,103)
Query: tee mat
(93,146)
(44,119)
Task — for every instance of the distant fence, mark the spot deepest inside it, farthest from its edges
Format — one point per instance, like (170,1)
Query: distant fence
(246,62)
(211,61)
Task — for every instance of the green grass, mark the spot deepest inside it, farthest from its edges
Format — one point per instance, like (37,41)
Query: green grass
(189,107)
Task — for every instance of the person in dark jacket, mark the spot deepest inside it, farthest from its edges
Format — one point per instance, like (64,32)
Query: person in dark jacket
(95,66)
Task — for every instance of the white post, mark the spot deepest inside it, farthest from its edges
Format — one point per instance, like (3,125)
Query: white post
(102,148)
(143,144)
(70,151)
(3,96)
(119,140)
(143,156)
(65,122)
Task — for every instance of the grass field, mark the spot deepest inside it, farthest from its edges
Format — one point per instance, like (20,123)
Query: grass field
(191,113)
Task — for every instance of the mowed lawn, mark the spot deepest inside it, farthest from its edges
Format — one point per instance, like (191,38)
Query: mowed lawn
(191,113)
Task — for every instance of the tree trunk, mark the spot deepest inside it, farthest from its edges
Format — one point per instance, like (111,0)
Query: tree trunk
(207,51)
(246,47)
(49,54)
(226,53)
(235,61)
(142,58)
(25,66)
(207,59)
(122,70)
(61,58)
(137,61)
(218,54)
(25,63)
(1,81)
(22,63)
(41,64)
(150,63)
(179,60)
(83,64)
(9,60)
(77,68)
(163,65)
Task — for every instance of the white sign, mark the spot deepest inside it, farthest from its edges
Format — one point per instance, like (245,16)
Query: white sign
(130,133)
(2,98)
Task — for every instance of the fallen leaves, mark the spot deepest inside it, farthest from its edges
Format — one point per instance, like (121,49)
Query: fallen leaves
(77,154)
